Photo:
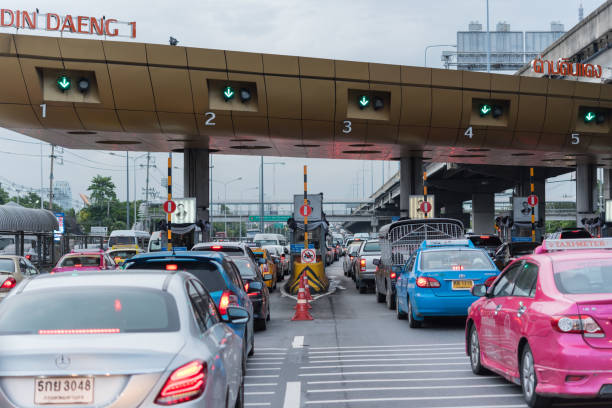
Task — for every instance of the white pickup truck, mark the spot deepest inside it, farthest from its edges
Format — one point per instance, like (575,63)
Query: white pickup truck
(365,270)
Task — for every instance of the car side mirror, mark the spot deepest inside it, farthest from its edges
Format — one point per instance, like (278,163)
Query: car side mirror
(286,251)
(376,261)
(237,315)
(262,261)
(479,290)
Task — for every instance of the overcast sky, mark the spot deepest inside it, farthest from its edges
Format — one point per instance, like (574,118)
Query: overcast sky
(385,31)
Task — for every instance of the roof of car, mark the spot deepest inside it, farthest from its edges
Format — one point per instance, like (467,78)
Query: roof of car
(214,255)
(220,243)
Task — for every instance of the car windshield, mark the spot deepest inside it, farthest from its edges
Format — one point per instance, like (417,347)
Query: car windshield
(486,241)
(5,241)
(455,260)
(583,277)
(125,309)
(156,245)
(7,265)
(121,241)
(371,246)
(264,242)
(204,270)
(246,268)
(579,233)
(80,260)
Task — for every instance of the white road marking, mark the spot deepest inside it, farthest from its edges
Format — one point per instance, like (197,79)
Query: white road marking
(393,346)
(450,397)
(382,372)
(317,356)
(260,393)
(264,363)
(263,369)
(382,365)
(261,385)
(436,387)
(257,358)
(457,349)
(385,359)
(298,342)
(257,404)
(293,395)
(261,376)
(272,348)
(386,380)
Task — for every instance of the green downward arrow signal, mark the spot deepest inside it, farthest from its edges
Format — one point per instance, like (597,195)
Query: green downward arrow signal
(228,93)
(63,83)
(485,109)
(364,101)
(589,117)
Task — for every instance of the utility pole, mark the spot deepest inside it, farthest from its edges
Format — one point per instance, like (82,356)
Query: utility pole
(127,189)
(41,177)
(488,41)
(51,179)
(147,193)
(261,196)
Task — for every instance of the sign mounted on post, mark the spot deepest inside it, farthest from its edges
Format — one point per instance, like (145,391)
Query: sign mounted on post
(315,202)
(532,200)
(522,209)
(169,207)
(425,207)
(185,211)
(305,210)
(309,256)
(417,202)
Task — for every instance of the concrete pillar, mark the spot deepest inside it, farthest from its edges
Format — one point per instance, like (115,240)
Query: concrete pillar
(607,184)
(454,210)
(586,191)
(483,213)
(411,181)
(195,182)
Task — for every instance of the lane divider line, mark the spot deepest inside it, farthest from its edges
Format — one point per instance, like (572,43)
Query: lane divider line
(298,342)
(389,346)
(374,365)
(382,372)
(293,392)
(437,387)
(450,397)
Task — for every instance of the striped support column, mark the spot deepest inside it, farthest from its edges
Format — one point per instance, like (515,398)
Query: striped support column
(425,188)
(305,203)
(170,199)
(531,183)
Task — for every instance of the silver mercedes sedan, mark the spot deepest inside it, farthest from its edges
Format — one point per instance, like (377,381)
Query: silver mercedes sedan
(119,340)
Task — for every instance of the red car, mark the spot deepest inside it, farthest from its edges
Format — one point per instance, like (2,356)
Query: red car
(87,260)
(546,322)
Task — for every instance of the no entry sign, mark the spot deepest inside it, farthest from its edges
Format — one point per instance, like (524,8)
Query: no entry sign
(425,207)
(309,256)
(169,207)
(532,200)
(305,210)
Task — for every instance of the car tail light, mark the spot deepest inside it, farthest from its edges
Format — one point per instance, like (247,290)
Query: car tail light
(246,287)
(117,259)
(490,281)
(186,383)
(78,265)
(580,324)
(427,282)
(171,267)
(484,237)
(216,247)
(363,264)
(80,331)
(8,284)
(228,298)
(28,257)
(393,275)
(457,267)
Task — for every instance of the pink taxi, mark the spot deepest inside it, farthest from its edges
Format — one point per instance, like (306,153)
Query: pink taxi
(84,260)
(546,322)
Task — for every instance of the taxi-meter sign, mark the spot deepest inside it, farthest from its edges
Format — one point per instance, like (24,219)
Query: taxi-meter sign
(426,207)
(306,210)
(169,207)
(532,200)
(309,256)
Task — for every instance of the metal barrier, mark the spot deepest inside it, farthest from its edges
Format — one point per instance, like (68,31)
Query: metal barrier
(400,239)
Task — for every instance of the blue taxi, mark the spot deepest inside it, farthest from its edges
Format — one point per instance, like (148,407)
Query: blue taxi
(438,278)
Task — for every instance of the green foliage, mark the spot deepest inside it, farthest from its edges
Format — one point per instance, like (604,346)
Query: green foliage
(102,189)
(31,200)
(553,226)
(4,196)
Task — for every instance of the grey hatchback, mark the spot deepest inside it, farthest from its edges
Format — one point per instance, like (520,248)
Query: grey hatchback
(130,339)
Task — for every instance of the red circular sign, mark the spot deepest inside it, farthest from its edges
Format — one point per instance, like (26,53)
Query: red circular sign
(169,207)
(532,200)
(305,210)
(425,206)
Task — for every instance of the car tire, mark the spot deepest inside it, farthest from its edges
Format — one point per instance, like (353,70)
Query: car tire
(252,352)
(475,354)
(400,314)
(412,322)
(240,397)
(268,318)
(390,299)
(529,381)
(261,324)
(380,298)
(363,288)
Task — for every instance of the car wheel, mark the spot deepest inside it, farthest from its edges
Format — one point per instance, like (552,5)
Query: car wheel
(252,352)
(412,323)
(379,296)
(390,299)
(240,396)
(529,381)
(474,348)
(400,314)
(268,318)
(363,288)
(261,324)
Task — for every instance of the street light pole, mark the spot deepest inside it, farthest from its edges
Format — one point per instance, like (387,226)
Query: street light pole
(488,41)
(437,45)
(261,195)
(127,189)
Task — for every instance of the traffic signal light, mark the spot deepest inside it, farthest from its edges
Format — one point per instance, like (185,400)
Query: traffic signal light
(589,117)
(63,83)
(228,93)
(83,85)
(378,103)
(245,95)
(485,109)
(364,101)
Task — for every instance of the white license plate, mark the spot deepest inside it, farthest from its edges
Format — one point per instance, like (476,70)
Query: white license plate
(63,390)
(463,284)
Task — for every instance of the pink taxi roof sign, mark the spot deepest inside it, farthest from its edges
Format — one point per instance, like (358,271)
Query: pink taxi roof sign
(584,243)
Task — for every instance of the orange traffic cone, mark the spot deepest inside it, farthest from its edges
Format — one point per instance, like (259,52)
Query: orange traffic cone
(302,306)
(307,288)
(302,293)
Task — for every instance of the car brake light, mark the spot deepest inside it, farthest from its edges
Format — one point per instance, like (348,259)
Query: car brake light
(228,298)
(580,324)
(80,331)
(484,237)
(117,259)
(184,384)
(216,247)
(457,267)
(490,281)
(171,267)
(9,283)
(393,275)
(363,264)
(427,282)
(246,287)
(351,257)
(78,265)
(28,257)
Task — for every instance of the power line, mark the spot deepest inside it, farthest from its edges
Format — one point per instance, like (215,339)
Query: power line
(20,141)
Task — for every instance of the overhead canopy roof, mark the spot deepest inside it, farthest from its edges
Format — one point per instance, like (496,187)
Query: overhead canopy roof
(14,217)
(151,97)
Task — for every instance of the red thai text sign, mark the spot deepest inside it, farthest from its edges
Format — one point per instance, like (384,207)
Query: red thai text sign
(565,67)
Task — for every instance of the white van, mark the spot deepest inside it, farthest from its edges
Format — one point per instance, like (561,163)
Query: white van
(129,237)
(269,239)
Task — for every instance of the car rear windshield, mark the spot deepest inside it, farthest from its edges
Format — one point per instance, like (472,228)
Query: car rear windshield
(373,246)
(123,254)
(583,276)
(126,309)
(205,271)
(486,241)
(575,234)
(7,265)
(264,242)
(523,248)
(80,260)
(230,251)
(121,241)
(454,260)
(245,267)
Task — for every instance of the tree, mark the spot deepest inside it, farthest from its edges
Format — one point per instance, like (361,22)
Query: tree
(31,200)
(4,196)
(102,189)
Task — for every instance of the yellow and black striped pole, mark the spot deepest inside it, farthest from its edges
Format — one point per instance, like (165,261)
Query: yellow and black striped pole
(533,234)
(425,190)
(170,199)
(305,207)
